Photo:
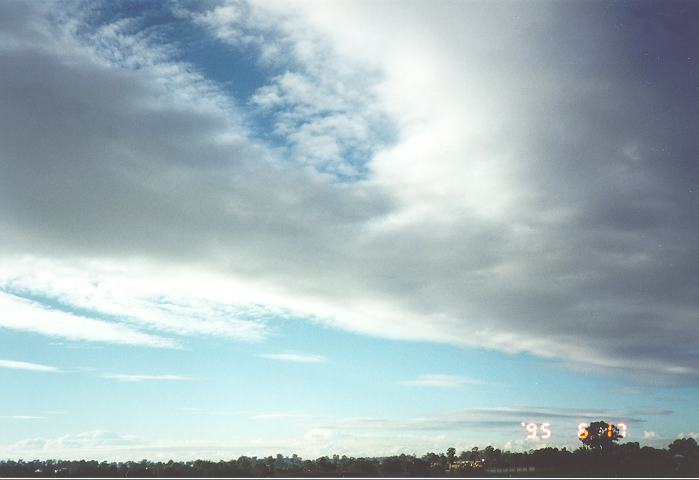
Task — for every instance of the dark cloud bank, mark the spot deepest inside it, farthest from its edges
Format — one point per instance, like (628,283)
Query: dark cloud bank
(596,265)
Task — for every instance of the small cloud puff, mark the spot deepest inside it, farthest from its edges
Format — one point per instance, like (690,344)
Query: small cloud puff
(144,378)
(34,367)
(441,381)
(295,357)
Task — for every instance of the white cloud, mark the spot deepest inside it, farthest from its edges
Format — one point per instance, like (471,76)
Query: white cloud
(281,416)
(295,357)
(25,315)
(649,435)
(144,378)
(313,443)
(322,104)
(21,417)
(34,367)
(319,433)
(316,435)
(143,294)
(441,380)
(218,413)
(90,444)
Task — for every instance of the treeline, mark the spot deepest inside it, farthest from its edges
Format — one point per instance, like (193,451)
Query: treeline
(680,458)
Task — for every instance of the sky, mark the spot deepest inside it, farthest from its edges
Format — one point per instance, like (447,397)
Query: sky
(351,227)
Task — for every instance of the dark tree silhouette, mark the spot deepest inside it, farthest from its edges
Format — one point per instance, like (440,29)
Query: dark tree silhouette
(686,447)
(451,453)
(684,453)
(600,436)
(681,458)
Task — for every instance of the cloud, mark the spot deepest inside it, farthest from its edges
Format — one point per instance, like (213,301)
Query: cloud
(321,106)
(653,412)
(295,357)
(102,445)
(500,419)
(148,297)
(34,367)
(632,391)
(326,435)
(89,444)
(649,435)
(319,433)
(21,417)
(144,378)
(220,413)
(26,315)
(441,381)
(173,130)
(522,249)
(281,416)
(525,202)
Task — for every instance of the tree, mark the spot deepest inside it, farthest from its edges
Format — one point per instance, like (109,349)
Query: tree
(687,447)
(475,454)
(600,436)
(451,453)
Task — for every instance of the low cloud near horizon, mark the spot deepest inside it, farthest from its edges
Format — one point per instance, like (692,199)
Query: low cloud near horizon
(325,435)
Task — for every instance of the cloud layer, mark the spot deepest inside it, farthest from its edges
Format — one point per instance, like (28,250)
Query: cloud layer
(325,435)
(34,367)
(295,357)
(440,380)
(123,377)
(538,193)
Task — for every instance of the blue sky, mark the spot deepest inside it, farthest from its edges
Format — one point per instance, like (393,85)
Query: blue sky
(344,227)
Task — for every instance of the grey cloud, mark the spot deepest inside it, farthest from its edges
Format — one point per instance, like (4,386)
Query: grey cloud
(503,419)
(614,277)
(655,411)
(594,265)
(96,163)
(625,256)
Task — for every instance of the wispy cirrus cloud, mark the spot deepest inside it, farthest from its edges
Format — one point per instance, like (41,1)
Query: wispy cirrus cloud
(21,417)
(218,413)
(295,357)
(34,367)
(283,416)
(534,412)
(653,411)
(142,296)
(30,316)
(122,377)
(441,380)
(631,391)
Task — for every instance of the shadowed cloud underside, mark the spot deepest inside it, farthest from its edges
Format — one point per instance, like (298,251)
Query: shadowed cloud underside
(505,179)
